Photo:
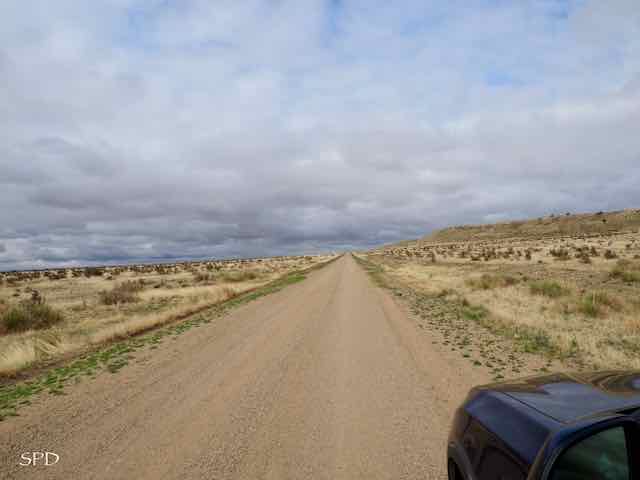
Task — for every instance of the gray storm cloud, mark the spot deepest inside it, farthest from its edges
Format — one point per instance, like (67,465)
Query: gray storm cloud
(132,131)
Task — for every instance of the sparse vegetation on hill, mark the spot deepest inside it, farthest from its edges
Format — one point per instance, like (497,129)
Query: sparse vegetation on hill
(600,223)
(575,278)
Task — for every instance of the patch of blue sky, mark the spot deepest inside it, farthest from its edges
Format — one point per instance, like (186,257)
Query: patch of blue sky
(430,19)
(561,9)
(136,32)
(334,12)
(499,78)
(133,31)
(556,13)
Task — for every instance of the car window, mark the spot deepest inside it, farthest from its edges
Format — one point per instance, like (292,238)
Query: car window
(601,456)
(496,465)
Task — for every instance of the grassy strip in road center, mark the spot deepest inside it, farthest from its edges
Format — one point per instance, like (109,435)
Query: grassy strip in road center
(119,354)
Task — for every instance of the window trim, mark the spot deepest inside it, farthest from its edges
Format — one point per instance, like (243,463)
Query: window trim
(631,431)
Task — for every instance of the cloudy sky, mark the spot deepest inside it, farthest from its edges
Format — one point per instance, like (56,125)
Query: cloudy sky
(163,129)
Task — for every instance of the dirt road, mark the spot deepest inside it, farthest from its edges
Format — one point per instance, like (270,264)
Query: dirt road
(326,379)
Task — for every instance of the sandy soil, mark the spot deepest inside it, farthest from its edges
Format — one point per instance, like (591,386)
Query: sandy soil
(326,379)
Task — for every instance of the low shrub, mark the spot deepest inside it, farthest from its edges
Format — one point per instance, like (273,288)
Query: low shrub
(584,257)
(548,288)
(534,340)
(626,271)
(240,276)
(31,314)
(488,282)
(592,304)
(202,277)
(474,313)
(610,254)
(161,270)
(126,292)
(560,253)
(588,307)
(445,292)
(93,272)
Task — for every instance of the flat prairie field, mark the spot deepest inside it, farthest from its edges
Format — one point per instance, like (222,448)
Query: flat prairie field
(50,313)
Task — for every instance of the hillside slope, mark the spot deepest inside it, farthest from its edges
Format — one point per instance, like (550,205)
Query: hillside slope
(550,226)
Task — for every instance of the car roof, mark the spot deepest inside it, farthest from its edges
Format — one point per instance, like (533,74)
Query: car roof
(567,398)
(523,429)
(524,412)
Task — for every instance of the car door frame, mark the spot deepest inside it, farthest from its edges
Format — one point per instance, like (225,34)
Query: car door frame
(563,439)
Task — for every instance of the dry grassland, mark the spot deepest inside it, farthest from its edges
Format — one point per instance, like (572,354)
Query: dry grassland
(567,287)
(44,315)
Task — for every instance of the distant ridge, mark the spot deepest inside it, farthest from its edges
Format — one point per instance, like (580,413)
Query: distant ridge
(549,226)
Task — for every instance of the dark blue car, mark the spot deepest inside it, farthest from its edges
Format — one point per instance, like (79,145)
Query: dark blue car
(556,427)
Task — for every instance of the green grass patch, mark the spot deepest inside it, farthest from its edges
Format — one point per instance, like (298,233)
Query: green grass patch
(548,288)
(488,282)
(528,339)
(534,340)
(376,272)
(448,313)
(272,287)
(475,313)
(627,271)
(594,304)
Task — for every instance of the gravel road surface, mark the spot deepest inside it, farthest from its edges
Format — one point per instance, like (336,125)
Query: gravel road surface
(326,379)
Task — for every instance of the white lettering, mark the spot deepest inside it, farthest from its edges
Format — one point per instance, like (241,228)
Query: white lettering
(35,458)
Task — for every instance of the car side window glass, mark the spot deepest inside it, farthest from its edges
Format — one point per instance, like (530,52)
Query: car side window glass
(600,456)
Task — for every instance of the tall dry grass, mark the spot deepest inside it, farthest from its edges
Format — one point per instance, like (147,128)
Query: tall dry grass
(131,325)
(98,309)
(598,323)
(18,351)
(22,350)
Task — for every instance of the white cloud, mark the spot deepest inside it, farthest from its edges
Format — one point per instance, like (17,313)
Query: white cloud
(134,129)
